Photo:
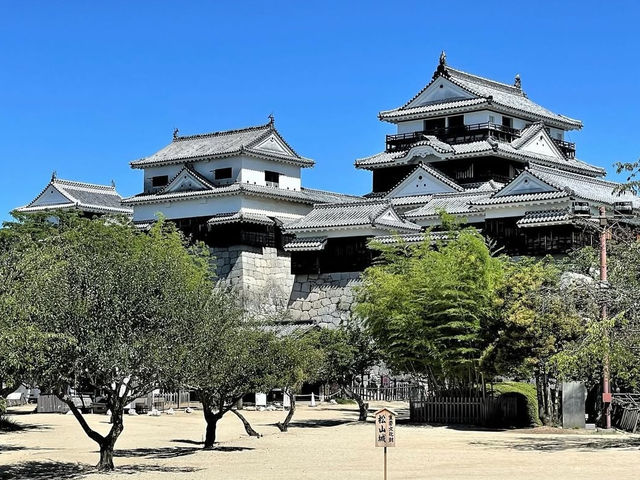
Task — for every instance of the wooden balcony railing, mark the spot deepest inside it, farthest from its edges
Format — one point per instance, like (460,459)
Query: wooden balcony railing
(567,148)
(452,135)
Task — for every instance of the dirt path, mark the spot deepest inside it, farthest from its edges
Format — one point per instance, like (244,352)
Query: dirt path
(323,443)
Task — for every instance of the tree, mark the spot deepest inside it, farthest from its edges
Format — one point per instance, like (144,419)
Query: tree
(347,352)
(296,361)
(632,183)
(120,296)
(616,336)
(227,357)
(424,305)
(533,323)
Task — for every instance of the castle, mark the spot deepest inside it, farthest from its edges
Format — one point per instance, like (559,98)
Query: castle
(475,148)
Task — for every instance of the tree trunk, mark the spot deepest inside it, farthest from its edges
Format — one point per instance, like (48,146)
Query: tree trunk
(212,422)
(362,406)
(107,446)
(247,426)
(106,458)
(106,443)
(284,426)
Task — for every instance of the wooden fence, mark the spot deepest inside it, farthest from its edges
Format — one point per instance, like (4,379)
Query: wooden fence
(626,411)
(385,394)
(464,410)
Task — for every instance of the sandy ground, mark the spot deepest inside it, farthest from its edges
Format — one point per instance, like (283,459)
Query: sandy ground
(323,443)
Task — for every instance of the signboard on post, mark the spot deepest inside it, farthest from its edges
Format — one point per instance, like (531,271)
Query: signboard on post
(385,432)
(385,428)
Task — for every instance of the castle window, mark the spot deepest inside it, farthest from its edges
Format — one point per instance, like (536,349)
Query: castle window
(507,122)
(159,181)
(434,124)
(272,179)
(457,121)
(222,173)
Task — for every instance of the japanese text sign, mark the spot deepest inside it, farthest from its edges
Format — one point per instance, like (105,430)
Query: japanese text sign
(385,428)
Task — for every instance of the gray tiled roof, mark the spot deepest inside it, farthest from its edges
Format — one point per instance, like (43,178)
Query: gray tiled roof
(306,244)
(304,195)
(240,217)
(523,198)
(363,213)
(84,196)
(582,186)
(411,238)
(494,93)
(546,217)
(453,203)
(503,149)
(219,144)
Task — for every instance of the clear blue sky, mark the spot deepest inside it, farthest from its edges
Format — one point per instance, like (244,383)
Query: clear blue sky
(86,87)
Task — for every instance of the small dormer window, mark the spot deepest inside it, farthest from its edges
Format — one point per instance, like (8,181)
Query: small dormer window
(159,181)
(272,179)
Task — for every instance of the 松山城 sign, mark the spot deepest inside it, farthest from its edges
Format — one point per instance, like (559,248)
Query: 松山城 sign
(385,428)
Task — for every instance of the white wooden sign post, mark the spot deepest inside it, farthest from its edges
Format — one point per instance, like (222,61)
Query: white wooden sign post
(385,432)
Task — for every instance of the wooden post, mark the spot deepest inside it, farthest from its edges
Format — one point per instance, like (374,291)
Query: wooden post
(385,463)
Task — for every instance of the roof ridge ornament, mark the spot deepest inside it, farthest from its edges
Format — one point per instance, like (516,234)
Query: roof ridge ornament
(272,119)
(175,133)
(53,176)
(518,83)
(442,66)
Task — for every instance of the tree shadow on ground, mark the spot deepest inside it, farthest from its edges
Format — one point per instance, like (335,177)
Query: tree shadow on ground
(69,471)
(10,448)
(217,448)
(163,452)
(191,442)
(564,443)
(319,423)
(7,425)
(44,470)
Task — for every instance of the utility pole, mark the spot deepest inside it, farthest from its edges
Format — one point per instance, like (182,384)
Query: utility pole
(606,389)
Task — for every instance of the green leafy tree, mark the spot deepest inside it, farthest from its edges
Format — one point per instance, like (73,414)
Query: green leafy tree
(424,306)
(347,352)
(616,336)
(296,360)
(227,357)
(533,323)
(120,298)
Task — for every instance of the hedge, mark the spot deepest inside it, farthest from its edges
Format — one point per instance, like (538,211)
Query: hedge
(528,391)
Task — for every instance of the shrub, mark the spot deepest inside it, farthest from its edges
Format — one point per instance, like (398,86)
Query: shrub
(3,406)
(526,391)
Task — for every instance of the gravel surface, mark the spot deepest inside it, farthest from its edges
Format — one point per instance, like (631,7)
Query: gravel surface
(323,443)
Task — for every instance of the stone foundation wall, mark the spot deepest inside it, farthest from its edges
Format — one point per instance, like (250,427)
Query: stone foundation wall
(325,299)
(261,274)
(263,277)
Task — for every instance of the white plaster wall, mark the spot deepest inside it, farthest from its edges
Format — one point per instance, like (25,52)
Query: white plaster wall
(540,144)
(420,183)
(411,126)
(51,196)
(441,89)
(481,116)
(200,207)
(253,172)
(521,210)
(169,170)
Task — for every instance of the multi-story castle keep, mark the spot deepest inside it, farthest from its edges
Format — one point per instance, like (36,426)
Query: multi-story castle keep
(478,149)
